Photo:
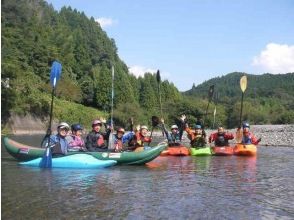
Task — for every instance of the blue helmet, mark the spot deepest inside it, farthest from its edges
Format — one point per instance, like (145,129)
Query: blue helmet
(245,125)
(76,127)
(197,126)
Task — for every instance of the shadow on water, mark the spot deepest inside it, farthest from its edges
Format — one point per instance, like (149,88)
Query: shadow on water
(165,188)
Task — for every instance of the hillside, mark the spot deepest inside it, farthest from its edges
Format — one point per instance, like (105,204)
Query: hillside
(269,98)
(259,86)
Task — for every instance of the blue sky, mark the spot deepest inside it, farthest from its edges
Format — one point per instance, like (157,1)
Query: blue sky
(191,41)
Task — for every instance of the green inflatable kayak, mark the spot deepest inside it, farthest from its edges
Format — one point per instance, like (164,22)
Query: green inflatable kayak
(204,151)
(24,152)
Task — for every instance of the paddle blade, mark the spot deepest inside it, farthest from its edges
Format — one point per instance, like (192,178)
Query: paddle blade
(46,161)
(243,83)
(111,142)
(210,92)
(158,78)
(55,73)
(155,121)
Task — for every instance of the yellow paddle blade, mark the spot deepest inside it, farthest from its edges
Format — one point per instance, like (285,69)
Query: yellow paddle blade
(243,83)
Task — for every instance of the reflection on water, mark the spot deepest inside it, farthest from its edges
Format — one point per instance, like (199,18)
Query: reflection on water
(259,187)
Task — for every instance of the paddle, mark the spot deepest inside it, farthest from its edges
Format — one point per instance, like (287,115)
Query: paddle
(110,139)
(210,94)
(243,86)
(155,122)
(158,78)
(55,73)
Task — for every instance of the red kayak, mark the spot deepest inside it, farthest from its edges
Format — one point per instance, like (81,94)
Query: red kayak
(176,151)
(245,150)
(223,150)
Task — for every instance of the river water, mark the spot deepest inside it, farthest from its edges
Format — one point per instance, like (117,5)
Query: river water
(233,187)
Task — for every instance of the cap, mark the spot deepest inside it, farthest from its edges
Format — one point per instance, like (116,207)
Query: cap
(76,127)
(143,127)
(197,126)
(63,125)
(174,127)
(96,122)
(245,125)
(121,130)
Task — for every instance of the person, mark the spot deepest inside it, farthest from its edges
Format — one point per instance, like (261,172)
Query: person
(120,139)
(221,138)
(75,140)
(139,138)
(58,142)
(95,140)
(247,136)
(174,138)
(197,136)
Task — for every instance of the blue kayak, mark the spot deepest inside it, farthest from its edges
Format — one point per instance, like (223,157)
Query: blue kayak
(74,161)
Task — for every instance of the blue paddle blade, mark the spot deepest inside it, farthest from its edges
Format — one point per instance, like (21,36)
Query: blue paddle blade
(46,161)
(55,73)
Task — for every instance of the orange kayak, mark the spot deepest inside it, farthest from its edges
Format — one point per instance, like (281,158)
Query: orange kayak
(222,151)
(245,150)
(176,151)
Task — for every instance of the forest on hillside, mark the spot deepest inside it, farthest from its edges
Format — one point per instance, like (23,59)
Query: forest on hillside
(34,34)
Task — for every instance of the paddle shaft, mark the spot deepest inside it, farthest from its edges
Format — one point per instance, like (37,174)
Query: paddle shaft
(241,112)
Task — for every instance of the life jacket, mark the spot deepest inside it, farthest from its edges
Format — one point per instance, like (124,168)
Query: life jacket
(100,140)
(246,139)
(138,140)
(175,140)
(198,141)
(221,140)
(118,144)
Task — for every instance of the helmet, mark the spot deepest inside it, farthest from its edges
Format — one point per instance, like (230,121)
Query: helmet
(63,125)
(245,125)
(76,127)
(120,130)
(143,127)
(174,127)
(197,126)
(96,122)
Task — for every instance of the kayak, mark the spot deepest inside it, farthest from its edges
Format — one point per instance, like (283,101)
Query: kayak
(245,150)
(203,151)
(24,152)
(176,151)
(84,161)
(222,150)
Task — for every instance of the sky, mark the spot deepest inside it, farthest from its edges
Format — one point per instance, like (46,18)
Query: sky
(191,41)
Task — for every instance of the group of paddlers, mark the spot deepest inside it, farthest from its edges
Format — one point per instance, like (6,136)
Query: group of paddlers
(138,138)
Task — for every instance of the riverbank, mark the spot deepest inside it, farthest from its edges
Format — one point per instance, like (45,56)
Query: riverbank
(271,135)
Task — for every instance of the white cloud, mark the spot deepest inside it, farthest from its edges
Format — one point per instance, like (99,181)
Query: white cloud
(104,22)
(276,58)
(140,70)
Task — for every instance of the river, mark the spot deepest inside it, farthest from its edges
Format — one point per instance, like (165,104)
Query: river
(233,187)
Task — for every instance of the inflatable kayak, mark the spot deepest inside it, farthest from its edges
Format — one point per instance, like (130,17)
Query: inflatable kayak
(79,161)
(176,151)
(222,151)
(203,151)
(245,150)
(24,152)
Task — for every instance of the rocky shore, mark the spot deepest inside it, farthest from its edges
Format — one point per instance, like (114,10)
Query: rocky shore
(271,135)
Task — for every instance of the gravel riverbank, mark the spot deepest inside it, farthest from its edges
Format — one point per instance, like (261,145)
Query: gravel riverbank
(271,135)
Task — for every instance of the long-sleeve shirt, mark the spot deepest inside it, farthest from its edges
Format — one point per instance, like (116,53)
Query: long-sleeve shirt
(59,144)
